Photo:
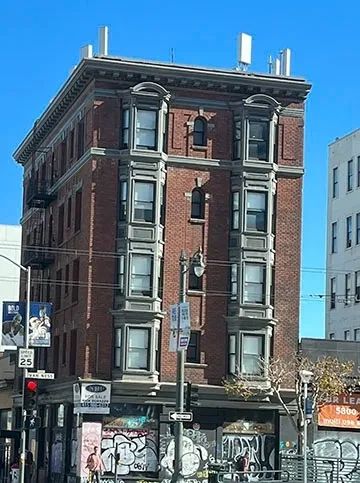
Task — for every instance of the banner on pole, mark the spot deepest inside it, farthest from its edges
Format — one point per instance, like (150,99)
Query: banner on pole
(13,322)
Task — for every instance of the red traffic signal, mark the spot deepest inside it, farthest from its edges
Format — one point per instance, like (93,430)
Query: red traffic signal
(31,385)
(30,394)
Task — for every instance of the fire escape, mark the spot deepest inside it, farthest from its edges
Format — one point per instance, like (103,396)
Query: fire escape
(39,245)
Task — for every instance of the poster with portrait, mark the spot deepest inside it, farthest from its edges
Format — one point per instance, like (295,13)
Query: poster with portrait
(13,325)
(40,324)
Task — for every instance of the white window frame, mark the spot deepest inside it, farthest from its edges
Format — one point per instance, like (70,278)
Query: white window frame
(350,175)
(138,128)
(245,335)
(137,182)
(251,120)
(133,275)
(335,182)
(148,348)
(234,276)
(118,348)
(235,210)
(334,237)
(248,298)
(348,231)
(347,288)
(332,292)
(254,211)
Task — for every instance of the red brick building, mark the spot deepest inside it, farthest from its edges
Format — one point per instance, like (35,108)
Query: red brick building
(131,163)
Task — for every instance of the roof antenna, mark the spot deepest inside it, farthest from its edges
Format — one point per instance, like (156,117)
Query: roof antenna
(172,55)
(244,51)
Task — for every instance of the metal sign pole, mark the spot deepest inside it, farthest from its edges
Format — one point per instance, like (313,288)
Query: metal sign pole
(180,379)
(26,345)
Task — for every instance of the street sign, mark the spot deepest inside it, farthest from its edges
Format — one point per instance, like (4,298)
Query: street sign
(174,317)
(26,358)
(184,309)
(40,375)
(180,417)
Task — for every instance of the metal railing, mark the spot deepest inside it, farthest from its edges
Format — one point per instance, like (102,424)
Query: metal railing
(322,469)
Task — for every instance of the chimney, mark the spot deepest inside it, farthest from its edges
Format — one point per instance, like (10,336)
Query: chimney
(104,41)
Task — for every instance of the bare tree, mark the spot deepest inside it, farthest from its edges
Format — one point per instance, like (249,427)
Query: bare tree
(331,377)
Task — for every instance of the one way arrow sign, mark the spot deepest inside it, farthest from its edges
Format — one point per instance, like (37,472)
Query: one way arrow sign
(180,417)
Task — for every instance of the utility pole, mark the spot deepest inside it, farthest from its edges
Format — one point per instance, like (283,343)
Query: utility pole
(27,270)
(197,264)
(180,380)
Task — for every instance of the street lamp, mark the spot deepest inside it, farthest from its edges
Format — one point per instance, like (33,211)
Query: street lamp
(305,377)
(27,270)
(198,265)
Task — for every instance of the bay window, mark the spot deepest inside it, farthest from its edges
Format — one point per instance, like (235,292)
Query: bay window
(252,353)
(138,348)
(254,283)
(141,275)
(125,128)
(258,139)
(256,211)
(235,218)
(146,129)
(144,197)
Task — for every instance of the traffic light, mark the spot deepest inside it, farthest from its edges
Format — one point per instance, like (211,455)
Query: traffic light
(192,396)
(30,394)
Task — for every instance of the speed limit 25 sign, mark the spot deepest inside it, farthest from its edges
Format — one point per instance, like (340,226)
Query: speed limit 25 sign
(26,358)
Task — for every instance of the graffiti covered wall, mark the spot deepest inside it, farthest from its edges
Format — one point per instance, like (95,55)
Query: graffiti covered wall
(198,449)
(137,450)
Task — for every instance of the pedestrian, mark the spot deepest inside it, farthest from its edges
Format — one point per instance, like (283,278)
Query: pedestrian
(95,465)
(242,466)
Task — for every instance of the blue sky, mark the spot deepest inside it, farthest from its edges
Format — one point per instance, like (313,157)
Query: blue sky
(41,40)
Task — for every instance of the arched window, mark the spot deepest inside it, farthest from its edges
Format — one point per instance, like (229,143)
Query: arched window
(198,204)
(199,135)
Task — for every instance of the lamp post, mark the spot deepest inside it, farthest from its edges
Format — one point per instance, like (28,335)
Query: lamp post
(305,377)
(198,265)
(27,270)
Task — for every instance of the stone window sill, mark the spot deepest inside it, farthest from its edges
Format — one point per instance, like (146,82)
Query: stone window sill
(195,365)
(197,221)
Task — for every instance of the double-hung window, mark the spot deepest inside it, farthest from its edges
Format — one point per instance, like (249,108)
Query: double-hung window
(358,172)
(237,140)
(332,293)
(125,128)
(235,218)
(334,237)
(141,275)
(234,281)
(357,334)
(118,348)
(347,288)
(350,175)
(252,354)
(123,200)
(348,231)
(335,182)
(254,283)
(357,228)
(256,211)
(232,354)
(258,139)
(346,334)
(357,287)
(146,123)
(144,197)
(138,342)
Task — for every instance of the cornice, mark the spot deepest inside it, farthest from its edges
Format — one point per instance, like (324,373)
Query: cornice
(170,75)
